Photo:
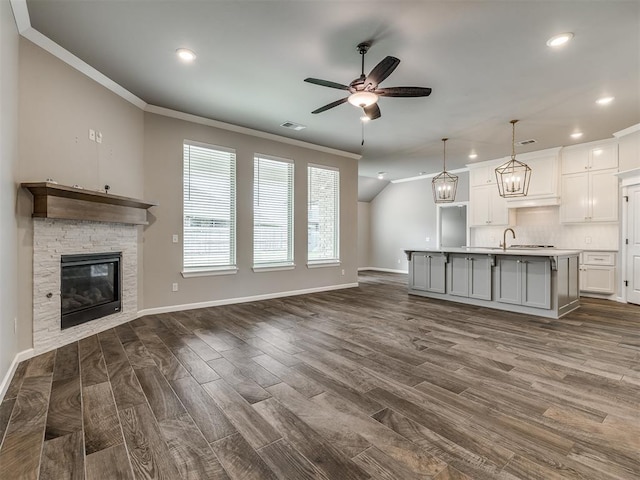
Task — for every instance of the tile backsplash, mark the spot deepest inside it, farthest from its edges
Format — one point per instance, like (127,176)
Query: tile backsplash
(541,226)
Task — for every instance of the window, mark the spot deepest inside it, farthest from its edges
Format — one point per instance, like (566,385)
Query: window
(323,215)
(209,207)
(272,212)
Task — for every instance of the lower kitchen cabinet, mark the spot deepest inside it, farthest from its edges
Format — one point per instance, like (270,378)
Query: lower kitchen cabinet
(544,283)
(470,275)
(598,272)
(428,272)
(524,281)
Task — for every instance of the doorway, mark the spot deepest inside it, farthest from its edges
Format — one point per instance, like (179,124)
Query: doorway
(452,225)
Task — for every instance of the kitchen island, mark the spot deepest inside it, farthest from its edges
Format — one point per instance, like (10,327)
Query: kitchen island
(542,282)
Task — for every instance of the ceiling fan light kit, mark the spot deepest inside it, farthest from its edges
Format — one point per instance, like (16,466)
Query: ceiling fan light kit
(513,177)
(362,99)
(445,184)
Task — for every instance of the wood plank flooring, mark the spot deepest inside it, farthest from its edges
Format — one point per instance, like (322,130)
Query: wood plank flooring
(360,383)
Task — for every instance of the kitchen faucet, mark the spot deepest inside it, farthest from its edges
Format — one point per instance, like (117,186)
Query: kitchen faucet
(504,237)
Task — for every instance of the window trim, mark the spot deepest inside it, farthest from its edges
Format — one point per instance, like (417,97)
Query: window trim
(208,272)
(212,270)
(327,262)
(279,265)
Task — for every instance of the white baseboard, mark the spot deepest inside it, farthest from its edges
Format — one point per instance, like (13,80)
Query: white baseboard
(380,269)
(20,356)
(230,301)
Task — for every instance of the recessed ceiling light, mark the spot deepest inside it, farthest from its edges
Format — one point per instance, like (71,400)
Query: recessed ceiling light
(381,175)
(186,55)
(473,156)
(558,40)
(576,135)
(605,100)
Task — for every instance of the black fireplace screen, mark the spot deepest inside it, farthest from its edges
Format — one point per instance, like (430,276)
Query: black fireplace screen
(90,287)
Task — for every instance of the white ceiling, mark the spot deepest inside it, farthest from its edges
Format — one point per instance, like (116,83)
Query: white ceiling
(486,61)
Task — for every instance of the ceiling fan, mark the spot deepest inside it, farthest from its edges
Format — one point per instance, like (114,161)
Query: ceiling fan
(364,89)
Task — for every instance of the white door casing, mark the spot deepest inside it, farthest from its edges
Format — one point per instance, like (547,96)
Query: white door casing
(633,246)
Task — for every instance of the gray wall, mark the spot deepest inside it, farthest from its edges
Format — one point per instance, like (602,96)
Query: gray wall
(9,344)
(364,234)
(163,182)
(57,107)
(403,215)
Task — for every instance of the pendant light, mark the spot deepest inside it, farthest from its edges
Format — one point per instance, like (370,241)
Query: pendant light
(444,184)
(513,176)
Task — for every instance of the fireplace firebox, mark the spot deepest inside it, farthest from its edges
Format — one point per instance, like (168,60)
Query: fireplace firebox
(90,287)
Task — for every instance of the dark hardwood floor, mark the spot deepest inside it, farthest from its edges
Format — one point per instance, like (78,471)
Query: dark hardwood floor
(351,384)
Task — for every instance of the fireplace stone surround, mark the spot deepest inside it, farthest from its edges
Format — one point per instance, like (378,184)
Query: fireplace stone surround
(53,238)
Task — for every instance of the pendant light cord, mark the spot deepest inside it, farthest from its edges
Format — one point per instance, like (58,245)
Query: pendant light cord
(444,154)
(513,139)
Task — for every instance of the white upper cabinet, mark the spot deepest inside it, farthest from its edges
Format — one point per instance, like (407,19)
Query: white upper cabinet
(487,207)
(590,196)
(483,175)
(588,157)
(589,185)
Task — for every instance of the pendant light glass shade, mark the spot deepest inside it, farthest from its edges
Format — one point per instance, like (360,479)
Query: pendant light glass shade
(444,184)
(513,177)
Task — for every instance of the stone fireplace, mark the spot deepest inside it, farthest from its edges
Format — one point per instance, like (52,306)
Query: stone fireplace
(56,241)
(73,228)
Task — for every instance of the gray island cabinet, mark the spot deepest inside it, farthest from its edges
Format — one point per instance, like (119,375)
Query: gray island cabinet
(542,282)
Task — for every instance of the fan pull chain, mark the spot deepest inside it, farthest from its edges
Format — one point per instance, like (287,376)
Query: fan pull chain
(362,143)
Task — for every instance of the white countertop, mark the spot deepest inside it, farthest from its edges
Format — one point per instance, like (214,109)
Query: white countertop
(531,252)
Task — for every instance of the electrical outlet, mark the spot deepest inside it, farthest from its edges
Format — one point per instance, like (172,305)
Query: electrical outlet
(398,261)
(342,272)
(99,137)
(174,287)
(587,239)
(428,239)
(174,238)
(92,135)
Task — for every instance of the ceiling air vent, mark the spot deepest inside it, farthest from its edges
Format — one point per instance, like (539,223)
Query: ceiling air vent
(526,142)
(293,126)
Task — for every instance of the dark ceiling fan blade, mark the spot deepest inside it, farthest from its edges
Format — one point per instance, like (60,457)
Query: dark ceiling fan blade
(372,111)
(331,105)
(403,92)
(326,83)
(382,71)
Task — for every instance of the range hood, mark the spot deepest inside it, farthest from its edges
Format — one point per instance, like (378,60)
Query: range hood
(533,201)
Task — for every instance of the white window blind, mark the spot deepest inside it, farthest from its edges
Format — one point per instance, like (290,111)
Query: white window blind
(209,207)
(272,212)
(323,214)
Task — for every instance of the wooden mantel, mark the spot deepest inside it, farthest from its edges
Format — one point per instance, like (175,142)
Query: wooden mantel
(51,200)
